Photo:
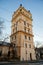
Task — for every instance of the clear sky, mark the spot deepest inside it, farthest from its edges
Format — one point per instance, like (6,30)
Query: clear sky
(7,7)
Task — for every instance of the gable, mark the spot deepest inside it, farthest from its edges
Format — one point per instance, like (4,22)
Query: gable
(23,11)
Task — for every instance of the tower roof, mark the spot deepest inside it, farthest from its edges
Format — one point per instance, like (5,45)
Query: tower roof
(22,10)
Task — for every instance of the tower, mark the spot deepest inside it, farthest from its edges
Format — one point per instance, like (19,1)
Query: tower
(22,35)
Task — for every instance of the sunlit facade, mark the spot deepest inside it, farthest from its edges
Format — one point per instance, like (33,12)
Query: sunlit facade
(22,35)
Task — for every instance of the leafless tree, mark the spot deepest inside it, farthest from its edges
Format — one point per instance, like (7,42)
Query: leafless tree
(1,27)
(38,43)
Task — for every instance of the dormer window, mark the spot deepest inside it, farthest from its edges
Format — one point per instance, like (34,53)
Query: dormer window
(20,9)
(31,17)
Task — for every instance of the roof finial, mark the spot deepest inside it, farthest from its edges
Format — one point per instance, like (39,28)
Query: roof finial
(28,10)
(20,4)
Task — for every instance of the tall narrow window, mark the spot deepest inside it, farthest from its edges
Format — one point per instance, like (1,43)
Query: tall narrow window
(25,45)
(28,31)
(28,24)
(25,37)
(0,52)
(14,45)
(16,23)
(16,26)
(26,51)
(15,36)
(25,29)
(12,38)
(24,22)
(29,45)
(23,59)
(30,56)
(13,30)
(29,38)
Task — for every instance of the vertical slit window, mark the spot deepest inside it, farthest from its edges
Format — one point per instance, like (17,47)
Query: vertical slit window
(24,22)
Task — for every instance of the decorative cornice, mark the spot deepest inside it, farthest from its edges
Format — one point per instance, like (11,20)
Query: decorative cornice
(22,14)
(22,32)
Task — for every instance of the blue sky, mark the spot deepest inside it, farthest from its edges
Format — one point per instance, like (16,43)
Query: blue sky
(7,7)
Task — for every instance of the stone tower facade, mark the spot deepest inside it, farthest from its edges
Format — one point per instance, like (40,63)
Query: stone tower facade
(22,35)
